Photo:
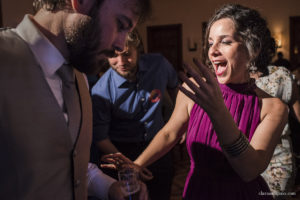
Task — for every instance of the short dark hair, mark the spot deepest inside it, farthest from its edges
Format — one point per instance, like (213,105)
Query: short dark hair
(253,30)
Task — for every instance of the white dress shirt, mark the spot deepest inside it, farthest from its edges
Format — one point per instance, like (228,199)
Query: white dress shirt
(46,54)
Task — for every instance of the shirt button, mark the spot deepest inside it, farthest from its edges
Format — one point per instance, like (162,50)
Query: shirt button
(145,123)
(145,134)
(77,183)
(142,99)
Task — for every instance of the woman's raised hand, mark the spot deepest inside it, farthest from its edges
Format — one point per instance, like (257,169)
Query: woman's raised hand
(205,90)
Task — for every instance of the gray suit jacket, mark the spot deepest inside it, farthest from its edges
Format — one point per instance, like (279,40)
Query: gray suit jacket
(37,158)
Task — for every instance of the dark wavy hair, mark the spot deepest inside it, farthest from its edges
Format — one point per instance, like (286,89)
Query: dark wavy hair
(143,6)
(252,29)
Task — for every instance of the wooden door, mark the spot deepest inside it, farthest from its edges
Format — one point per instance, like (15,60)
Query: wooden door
(166,40)
(295,42)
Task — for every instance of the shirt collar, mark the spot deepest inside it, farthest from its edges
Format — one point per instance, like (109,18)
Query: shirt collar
(47,55)
(118,79)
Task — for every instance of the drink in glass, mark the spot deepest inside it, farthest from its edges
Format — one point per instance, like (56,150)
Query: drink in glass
(129,182)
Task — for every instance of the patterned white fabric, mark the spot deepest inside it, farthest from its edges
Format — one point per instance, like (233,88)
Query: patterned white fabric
(280,174)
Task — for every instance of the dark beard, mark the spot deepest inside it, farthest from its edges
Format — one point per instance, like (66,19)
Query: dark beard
(83,41)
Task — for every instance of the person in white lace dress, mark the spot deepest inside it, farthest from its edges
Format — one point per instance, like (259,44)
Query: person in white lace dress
(281,172)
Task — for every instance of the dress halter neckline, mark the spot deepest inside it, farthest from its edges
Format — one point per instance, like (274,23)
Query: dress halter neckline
(247,87)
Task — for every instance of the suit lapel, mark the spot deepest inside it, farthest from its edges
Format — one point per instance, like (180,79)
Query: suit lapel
(86,107)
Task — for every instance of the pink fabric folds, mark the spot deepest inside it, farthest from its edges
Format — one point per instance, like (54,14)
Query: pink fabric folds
(211,177)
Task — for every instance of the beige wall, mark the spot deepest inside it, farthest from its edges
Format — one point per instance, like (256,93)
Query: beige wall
(191,14)
(13,11)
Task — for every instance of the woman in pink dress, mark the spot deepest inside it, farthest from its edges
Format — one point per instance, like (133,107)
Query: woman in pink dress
(232,125)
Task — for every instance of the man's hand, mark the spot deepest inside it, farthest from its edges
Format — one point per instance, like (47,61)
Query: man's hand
(115,192)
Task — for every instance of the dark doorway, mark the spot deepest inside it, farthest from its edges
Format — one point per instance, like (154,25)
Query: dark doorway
(295,42)
(166,40)
(1,14)
(295,63)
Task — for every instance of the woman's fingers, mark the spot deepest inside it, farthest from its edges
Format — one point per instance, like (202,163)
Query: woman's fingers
(207,88)
(145,174)
(146,171)
(118,160)
(115,161)
(205,71)
(121,159)
(116,157)
(198,78)
(108,166)
(188,94)
(196,89)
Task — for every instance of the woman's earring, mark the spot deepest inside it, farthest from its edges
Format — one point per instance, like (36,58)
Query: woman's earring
(252,68)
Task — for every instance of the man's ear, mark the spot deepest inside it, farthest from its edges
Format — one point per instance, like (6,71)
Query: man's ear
(82,6)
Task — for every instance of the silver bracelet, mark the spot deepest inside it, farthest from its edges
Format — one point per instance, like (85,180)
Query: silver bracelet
(237,147)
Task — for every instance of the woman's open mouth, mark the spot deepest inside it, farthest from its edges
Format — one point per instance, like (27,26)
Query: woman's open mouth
(220,67)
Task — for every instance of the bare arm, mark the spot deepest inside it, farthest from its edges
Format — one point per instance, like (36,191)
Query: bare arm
(173,94)
(169,135)
(256,157)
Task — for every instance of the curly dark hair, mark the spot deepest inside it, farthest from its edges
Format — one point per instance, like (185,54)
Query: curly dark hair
(253,30)
(143,6)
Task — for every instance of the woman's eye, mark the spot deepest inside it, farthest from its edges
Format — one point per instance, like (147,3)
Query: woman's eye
(210,44)
(226,42)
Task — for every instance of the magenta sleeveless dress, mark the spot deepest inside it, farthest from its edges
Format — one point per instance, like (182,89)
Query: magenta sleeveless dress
(211,177)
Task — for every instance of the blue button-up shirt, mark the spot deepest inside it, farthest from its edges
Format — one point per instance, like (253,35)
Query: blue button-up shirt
(131,111)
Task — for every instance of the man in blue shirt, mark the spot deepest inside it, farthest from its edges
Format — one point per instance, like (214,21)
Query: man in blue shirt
(127,108)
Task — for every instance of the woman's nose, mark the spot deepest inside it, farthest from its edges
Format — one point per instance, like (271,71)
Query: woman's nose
(214,50)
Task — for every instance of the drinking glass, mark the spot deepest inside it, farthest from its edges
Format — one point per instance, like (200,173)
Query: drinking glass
(128,177)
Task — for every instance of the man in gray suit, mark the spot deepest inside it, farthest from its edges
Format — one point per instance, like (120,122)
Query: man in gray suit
(45,108)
